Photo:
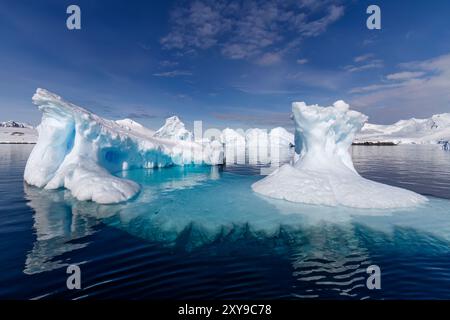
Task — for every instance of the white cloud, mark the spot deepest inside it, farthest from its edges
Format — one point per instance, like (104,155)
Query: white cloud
(243,29)
(372,64)
(420,89)
(374,87)
(269,58)
(363,57)
(405,75)
(316,27)
(172,74)
(168,63)
(302,61)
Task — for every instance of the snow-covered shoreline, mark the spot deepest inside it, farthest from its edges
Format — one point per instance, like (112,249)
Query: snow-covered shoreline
(433,130)
(12,132)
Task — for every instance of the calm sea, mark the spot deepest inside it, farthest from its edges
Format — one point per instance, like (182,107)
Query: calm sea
(201,233)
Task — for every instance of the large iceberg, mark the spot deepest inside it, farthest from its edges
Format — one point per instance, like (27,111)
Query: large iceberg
(81,151)
(324,173)
(258,146)
(235,146)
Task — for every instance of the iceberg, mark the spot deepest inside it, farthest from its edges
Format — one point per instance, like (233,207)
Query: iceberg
(324,173)
(81,151)
(235,146)
(260,146)
(281,142)
(258,143)
(174,129)
(131,125)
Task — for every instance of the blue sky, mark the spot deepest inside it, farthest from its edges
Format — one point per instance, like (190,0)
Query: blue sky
(228,63)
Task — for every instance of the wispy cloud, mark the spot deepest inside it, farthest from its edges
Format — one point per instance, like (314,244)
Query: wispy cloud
(249,29)
(259,118)
(168,63)
(368,64)
(141,115)
(264,91)
(374,87)
(302,61)
(172,74)
(363,57)
(420,89)
(405,75)
(269,58)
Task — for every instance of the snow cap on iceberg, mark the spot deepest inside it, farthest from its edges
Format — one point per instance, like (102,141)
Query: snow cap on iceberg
(174,129)
(324,173)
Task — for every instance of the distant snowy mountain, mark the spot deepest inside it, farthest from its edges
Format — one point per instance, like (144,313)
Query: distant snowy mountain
(14,124)
(16,132)
(413,131)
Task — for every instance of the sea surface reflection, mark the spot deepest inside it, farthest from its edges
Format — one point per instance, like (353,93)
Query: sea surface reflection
(200,232)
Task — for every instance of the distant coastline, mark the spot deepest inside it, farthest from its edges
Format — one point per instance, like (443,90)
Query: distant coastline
(369,143)
(4,142)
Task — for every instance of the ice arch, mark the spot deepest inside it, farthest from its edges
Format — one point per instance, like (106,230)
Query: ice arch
(324,173)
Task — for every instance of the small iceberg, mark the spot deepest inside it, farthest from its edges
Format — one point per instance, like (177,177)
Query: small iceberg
(324,173)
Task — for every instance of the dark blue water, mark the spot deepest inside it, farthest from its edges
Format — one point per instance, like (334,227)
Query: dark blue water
(200,233)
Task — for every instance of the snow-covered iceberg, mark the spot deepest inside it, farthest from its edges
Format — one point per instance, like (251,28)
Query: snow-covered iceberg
(235,146)
(281,142)
(258,143)
(131,125)
(324,173)
(80,151)
(258,146)
(174,129)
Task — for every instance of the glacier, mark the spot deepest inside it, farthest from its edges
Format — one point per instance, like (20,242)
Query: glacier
(81,151)
(324,173)
(412,131)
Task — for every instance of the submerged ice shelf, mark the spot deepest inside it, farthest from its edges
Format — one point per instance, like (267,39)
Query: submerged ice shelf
(324,173)
(79,150)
